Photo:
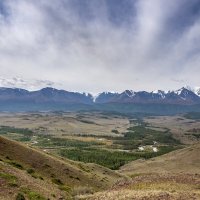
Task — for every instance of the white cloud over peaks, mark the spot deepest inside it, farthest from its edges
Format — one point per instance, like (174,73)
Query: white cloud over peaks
(29,84)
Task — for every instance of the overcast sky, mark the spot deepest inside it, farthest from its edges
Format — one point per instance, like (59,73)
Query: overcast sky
(100,45)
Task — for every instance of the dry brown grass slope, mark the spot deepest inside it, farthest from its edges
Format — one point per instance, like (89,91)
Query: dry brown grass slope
(14,181)
(185,160)
(62,172)
(174,176)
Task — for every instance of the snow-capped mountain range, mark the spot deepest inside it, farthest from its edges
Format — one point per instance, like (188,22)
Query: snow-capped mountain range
(182,96)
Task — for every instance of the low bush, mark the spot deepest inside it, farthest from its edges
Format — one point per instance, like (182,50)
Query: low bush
(20,196)
(17,165)
(30,171)
(57,181)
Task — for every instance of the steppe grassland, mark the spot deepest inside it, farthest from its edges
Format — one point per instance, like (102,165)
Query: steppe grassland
(180,127)
(103,138)
(68,124)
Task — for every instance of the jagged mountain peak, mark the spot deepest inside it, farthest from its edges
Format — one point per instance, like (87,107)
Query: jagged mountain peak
(197,91)
(188,90)
(104,97)
(181,90)
(129,93)
(158,92)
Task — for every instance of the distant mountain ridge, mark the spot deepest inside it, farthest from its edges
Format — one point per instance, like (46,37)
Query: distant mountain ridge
(45,95)
(183,96)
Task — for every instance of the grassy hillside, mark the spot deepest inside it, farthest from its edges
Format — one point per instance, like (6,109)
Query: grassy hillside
(16,184)
(173,176)
(185,160)
(152,187)
(68,176)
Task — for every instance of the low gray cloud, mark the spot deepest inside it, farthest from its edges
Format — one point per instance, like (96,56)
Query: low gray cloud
(97,45)
(29,84)
(179,80)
